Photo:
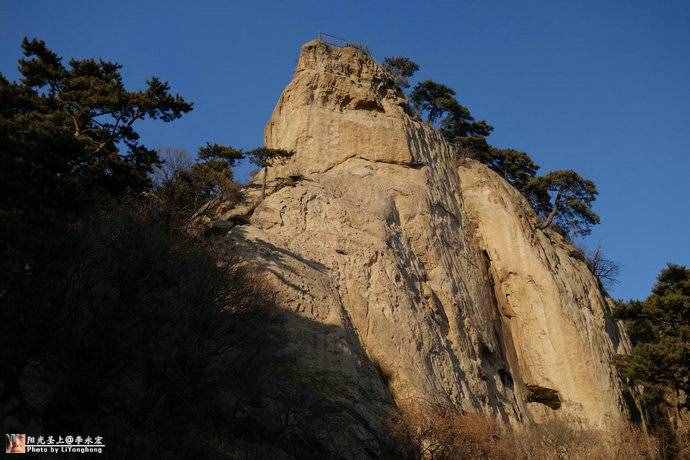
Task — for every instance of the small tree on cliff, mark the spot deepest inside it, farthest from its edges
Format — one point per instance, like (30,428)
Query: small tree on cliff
(473,147)
(438,102)
(659,329)
(401,69)
(433,99)
(513,165)
(459,123)
(565,198)
(603,268)
(221,153)
(264,157)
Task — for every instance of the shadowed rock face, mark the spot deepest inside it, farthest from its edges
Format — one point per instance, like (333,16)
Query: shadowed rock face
(433,281)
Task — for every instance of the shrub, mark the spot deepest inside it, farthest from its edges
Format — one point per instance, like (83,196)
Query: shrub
(182,187)
(433,431)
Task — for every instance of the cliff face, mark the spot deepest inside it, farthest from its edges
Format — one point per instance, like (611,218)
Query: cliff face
(410,277)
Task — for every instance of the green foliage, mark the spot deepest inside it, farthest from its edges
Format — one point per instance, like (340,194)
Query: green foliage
(113,319)
(213,173)
(561,197)
(263,157)
(68,142)
(473,147)
(433,99)
(220,152)
(211,179)
(439,103)
(659,329)
(183,187)
(513,165)
(659,364)
(69,131)
(564,198)
(460,123)
(401,69)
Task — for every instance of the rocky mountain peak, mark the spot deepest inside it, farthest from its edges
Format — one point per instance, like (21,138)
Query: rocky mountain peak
(410,276)
(340,104)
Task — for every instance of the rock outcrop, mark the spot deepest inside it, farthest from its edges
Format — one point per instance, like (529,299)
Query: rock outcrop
(415,277)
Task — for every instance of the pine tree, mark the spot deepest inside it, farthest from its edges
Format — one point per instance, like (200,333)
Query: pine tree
(433,99)
(439,103)
(459,123)
(213,173)
(564,198)
(263,157)
(659,328)
(401,69)
(513,165)
(183,187)
(69,131)
(68,142)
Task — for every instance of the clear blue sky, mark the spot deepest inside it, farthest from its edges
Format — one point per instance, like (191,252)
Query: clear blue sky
(602,87)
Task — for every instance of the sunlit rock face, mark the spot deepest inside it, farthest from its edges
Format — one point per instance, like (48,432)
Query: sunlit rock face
(409,276)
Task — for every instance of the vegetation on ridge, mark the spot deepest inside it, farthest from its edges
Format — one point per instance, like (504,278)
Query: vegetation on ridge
(115,320)
(70,134)
(401,68)
(564,197)
(561,198)
(659,363)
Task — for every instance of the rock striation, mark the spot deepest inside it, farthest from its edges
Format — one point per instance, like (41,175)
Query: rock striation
(410,276)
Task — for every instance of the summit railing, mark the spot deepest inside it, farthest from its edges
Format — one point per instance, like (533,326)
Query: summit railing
(332,39)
